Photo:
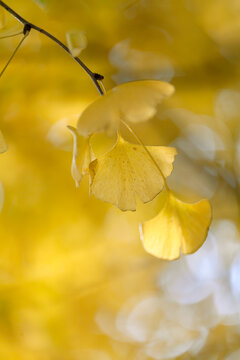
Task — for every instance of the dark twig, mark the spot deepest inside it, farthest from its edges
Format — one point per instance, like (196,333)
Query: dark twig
(14,53)
(28,26)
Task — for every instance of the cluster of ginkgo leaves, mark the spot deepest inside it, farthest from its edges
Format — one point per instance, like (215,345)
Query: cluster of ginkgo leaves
(131,170)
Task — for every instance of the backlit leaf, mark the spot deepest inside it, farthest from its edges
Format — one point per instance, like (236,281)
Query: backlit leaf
(178,225)
(82,155)
(76,41)
(59,134)
(134,102)
(127,171)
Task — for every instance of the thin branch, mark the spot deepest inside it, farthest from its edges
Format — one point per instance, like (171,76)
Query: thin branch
(28,26)
(12,35)
(14,53)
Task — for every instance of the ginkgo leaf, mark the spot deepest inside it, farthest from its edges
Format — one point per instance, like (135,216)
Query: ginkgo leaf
(3,144)
(76,41)
(82,156)
(134,101)
(178,225)
(127,171)
(59,134)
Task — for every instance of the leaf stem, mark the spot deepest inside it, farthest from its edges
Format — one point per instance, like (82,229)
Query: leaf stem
(14,53)
(94,76)
(147,151)
(103,87)
(12,35)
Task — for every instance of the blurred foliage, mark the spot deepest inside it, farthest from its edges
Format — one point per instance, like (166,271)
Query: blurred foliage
(75,282)
(40,2)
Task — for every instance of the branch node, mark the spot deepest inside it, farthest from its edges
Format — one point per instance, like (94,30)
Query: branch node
(98,76)
(27,28)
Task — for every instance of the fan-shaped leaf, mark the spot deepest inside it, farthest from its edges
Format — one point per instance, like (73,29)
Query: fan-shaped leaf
(127,171)
(77,42)
(82,155)
(179,225)
(135,102)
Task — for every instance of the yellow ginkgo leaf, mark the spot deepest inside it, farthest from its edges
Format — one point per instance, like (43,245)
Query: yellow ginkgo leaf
(127,171)
(59,134)
(82,155)
(134,101)
(77,42)
(179,225)
(3,144)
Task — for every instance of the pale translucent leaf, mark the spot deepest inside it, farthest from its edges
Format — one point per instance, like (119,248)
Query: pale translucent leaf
(76,41)
(134,102)
(127,171)
(135,64)
(227,105)
(179,225)
(82,156)
(235,355)
(3,144)
(59,135)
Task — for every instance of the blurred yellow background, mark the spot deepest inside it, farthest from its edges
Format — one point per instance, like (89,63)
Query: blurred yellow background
(75,282)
